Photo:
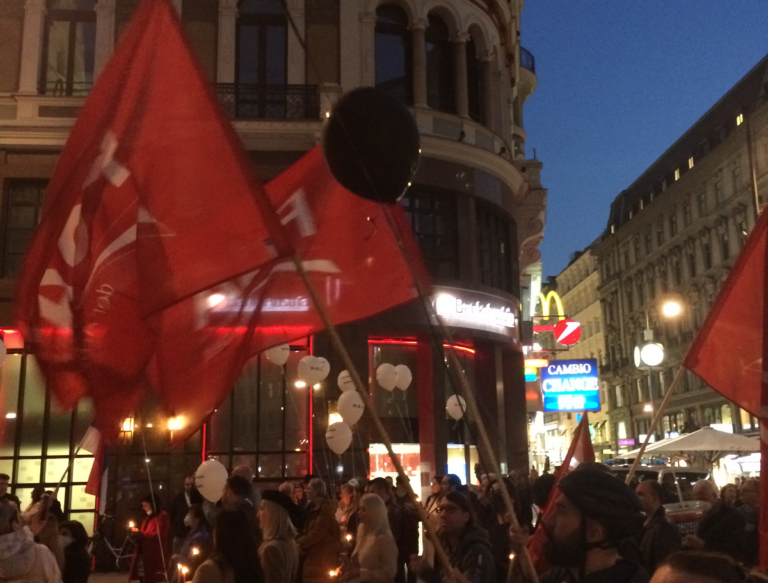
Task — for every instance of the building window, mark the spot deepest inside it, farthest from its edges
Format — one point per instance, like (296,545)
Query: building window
(673,225)
(742,228)
(262,59)
(725,250)
(494,246)
(69,48)
(440,69)
(660,234)
(640,292)
(691,258)
(626,258)
(739,119)
(702,200)
(736,179)
(23,209)
(706,251)
(474,82)
(690,162)
(630,305)
(619,396)
(677,273)
(394,69)
(677,174)
(687,215)
(434,222)
(648,244)
(719,190)
(637,248)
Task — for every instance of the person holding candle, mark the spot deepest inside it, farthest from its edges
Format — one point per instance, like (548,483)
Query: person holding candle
(374,559)
(278,553)
(153,542)
(321,541)
(194,550)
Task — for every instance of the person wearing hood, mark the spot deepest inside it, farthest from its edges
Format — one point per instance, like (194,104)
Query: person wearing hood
(22,560)
(592,530)
(466,544)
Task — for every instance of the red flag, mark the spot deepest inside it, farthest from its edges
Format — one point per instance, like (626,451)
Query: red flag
(152,201)
(580,451)
(730,351)
(351,256)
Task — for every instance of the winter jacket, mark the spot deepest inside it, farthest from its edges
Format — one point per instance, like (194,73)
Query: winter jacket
(660,539)
(622,572)
(320,542)
(377,558)
(24,561)
(473,557)
(722,530)
(279,560)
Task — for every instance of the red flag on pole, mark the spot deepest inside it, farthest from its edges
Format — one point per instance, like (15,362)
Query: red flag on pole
(730,350)
(351,256)
(579,452)
(152,201)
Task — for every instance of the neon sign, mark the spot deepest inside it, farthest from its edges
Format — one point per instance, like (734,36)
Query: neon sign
(546,304)
(470,309)
(570,385)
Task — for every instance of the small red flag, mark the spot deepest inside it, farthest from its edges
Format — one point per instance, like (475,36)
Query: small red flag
(580,451)
(730,351)
(351,256)
(152,201)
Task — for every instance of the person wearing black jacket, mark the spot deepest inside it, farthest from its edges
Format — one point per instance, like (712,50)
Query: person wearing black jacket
(722,527)
(467,545)
(77,562)
(660,537)
(179,508)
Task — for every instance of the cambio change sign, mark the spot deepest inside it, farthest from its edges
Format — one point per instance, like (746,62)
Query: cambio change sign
(570,385)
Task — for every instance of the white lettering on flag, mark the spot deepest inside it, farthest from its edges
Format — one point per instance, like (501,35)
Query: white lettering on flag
(107,165)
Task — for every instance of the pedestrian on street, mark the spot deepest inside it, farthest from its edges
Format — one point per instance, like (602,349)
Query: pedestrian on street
(5,496)
(179,509)
(660,537)
(466,544)
(22,560)
(77,562)
(234,558)
(594,523)
(704,567)
(278,553)
(347,510)
(321,540)
(374,559)
(153,550)
(721,528)
(750,512)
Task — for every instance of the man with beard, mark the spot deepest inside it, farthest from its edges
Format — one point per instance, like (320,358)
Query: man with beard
(596,522)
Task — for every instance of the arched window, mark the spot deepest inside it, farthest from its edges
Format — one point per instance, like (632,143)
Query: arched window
(69,48)
(262,49)
(441,91)
(393,53)
(474,83)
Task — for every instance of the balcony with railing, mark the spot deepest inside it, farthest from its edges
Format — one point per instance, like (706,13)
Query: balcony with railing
(250,101)
(63,88)
(527,60)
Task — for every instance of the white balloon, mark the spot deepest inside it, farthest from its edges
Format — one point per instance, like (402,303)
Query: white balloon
(338,437)
(278,354)
(351,407)
(404,377)
(3,352)
(386,375)
(456,406)
(325,367)
(312,370)
(210,479)
(345,381)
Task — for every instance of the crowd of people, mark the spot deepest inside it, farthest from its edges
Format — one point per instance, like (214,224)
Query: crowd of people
(597,529)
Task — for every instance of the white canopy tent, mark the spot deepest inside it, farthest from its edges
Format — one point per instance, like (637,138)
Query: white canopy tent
(703,440)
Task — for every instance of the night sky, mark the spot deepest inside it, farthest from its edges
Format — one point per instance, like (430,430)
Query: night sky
(618,82)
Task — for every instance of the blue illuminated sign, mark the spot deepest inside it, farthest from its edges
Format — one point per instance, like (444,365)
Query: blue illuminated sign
(570,385)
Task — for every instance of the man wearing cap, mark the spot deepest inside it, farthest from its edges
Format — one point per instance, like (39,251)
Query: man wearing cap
(596,520)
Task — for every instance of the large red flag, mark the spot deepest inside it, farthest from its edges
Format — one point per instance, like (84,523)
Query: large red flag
(580,451)
(730,351)
(351,256)
(152,200)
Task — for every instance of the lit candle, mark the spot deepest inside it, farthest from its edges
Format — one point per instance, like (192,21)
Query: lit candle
(178,576)
(349,538)
(195,551)
(511,556)
(131,524)
(333,572)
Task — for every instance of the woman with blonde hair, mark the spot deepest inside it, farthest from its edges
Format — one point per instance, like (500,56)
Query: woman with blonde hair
(374,559)
(278,553)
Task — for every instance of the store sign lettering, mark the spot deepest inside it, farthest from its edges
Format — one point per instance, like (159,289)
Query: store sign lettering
(571,385)
(475,310)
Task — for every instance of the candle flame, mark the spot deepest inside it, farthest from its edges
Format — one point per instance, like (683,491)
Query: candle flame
(349,537)
(131,524)
(195,551)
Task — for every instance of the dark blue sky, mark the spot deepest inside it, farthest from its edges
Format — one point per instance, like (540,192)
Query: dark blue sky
(618,82)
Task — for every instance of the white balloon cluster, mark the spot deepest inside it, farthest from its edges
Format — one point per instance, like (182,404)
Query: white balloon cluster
(313,369)
(456,406)
(278,354)
(389,377)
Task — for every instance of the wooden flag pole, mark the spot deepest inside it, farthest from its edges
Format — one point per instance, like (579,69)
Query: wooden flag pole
(655,421)
(527,564)
(338,344)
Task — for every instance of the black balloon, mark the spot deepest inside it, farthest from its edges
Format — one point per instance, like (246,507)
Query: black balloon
(371,144)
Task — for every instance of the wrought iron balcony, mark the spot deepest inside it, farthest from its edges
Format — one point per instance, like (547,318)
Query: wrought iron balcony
(250,101)
(527,61)
(61,88)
